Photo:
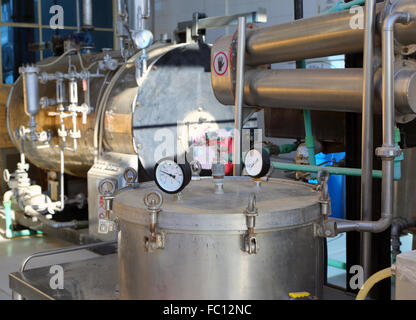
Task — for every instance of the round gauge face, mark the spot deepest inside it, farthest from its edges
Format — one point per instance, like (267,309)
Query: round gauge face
(257,164)
(171,177)
(143,39)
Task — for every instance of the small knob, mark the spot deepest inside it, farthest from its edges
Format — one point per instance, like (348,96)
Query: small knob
(107,187)
(130,175)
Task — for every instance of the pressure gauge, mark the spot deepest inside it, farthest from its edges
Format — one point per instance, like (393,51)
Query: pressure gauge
(172,177)
(143,39)
(257,163)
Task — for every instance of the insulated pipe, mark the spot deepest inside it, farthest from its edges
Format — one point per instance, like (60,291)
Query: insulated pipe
(318,89)
(367,131)
(388,151)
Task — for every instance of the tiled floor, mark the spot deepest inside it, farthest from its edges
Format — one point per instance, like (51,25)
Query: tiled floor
(13,252)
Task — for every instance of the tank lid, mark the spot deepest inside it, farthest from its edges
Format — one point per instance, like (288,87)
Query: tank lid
(280,204)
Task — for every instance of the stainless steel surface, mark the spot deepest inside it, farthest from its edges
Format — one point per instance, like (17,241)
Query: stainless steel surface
(367,132)
(404,34)
(320,89)
(319,36)
(64,250)
(139,12)
(203,257)
(93,279)
(175,105)
(239,97)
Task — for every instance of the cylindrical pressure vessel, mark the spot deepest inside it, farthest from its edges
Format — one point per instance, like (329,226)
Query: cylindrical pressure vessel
(202,234)
(175,89)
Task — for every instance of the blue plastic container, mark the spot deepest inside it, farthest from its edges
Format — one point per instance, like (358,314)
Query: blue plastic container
(336,183)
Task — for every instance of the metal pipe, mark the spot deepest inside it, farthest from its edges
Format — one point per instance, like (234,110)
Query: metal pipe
(239,95)
(64,250)
(388,151)
(77,8)
(314,37)
(367,132)
(87,21)
(320,36)
(377,174)
(316,89)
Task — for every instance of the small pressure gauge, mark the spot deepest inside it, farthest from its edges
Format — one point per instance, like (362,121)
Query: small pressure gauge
(257,163)
(172,177)
(143,39)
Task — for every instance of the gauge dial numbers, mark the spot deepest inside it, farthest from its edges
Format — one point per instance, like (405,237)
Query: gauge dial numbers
(172,177)
(257,164)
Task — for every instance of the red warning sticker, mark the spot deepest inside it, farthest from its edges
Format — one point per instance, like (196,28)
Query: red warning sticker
(220,64)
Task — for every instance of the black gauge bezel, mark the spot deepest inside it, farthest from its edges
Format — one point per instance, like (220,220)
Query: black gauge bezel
(186,171)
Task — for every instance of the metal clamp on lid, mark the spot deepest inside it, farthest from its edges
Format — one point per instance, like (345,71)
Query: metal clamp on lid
(153,202)
(324,200)
(107,188)
(250,240)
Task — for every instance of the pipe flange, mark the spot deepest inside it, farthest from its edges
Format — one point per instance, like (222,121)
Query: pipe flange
(29,69)
(388,152)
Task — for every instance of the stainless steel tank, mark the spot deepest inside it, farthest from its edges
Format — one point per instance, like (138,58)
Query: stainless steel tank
(203,238)
(126,116)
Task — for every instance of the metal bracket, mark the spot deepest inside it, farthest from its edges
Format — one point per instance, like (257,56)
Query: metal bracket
(200,22)
(388,152)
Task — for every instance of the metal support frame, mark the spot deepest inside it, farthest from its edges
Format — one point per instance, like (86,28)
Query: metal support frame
(239,95)
(367,132)
(388,152)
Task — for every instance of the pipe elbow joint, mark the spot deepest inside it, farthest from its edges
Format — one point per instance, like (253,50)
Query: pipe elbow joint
(396,17)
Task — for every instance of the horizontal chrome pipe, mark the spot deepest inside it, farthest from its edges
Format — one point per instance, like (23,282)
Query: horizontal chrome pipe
(325,35)
(322,89)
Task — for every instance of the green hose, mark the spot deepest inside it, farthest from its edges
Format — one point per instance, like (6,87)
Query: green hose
(341,6)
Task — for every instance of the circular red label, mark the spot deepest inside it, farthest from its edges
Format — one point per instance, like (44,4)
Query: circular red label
(220,63)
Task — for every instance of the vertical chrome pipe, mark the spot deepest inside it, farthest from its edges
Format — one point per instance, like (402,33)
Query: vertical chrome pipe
(62,177)
(87,23)
(239,95)
(388,151)
(77,8)
(367,133)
